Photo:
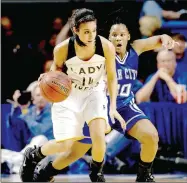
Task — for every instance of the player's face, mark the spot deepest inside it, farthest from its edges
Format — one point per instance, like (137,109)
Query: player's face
(119,36)
(87,32)
(38,100)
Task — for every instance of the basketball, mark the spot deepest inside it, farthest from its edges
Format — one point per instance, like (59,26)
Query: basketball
(55,86)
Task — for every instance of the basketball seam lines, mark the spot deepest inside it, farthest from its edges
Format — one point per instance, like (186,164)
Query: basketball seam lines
(52,87)
(55,78)
(46,94)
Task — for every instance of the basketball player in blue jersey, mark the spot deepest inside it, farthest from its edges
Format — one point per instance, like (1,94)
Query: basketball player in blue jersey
(89,60)
(138,125)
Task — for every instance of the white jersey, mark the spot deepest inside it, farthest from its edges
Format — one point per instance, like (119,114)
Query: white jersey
(86,74)
(87,100)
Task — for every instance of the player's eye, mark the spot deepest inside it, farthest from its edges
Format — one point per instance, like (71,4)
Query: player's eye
(115,35)
(86,32)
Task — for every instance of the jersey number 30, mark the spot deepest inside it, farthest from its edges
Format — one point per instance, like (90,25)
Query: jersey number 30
(124,90)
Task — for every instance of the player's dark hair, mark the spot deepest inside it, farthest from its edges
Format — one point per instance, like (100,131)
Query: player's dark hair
(120,17)
(81,16)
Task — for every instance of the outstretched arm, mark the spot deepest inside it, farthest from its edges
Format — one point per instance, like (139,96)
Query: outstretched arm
(142,45)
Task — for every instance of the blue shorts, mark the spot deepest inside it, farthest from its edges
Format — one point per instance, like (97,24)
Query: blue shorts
(130,113)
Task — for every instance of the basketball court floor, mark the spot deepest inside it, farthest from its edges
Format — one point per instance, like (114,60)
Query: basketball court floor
(109,178)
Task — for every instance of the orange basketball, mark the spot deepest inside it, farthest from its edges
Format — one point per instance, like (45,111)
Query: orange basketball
(55,86)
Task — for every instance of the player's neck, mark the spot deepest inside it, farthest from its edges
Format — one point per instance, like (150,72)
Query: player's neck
(85,50)
(87,47)
(122,54)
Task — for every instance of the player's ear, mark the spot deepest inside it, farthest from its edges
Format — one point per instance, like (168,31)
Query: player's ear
(129,37)
(75,30)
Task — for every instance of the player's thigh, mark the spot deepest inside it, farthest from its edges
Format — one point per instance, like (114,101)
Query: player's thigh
(131,114)
(96,112)
(66,124)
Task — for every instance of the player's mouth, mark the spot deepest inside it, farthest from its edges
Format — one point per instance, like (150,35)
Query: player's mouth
(119,45)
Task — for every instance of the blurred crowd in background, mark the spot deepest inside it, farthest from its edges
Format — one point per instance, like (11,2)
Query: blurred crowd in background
(30,32)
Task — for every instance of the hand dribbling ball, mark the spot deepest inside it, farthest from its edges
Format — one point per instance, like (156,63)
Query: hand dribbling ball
(55,86)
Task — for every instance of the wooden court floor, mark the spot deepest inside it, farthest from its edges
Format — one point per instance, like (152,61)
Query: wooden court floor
(109,178)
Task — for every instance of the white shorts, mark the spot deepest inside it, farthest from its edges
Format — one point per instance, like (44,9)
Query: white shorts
(70,115)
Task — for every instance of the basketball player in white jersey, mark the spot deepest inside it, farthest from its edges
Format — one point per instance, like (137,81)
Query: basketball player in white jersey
(88,60)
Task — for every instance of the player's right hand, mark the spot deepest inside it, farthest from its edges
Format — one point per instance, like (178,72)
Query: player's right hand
(114,114)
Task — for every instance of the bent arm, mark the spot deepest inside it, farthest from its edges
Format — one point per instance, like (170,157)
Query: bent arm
(60,56)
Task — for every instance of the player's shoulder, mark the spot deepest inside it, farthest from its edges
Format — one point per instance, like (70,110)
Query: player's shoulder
(62,47)
(107,45)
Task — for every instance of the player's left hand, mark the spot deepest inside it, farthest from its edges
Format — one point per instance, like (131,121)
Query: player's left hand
(168,42)
(114,114)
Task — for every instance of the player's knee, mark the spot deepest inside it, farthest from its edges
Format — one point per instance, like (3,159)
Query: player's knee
(60,147)
(97,132)
(97,129)
(98,138)
(150,138)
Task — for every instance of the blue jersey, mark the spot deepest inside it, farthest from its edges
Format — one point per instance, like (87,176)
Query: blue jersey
(127,76)
(127,84)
